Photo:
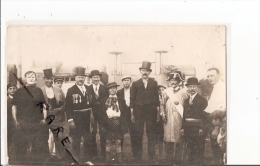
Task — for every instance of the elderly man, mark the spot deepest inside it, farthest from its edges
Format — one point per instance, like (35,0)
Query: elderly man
(55,99)
(98,93)
(193,125)
(172,113)
(144,105)
(79,113)
(124,94)
(217,101)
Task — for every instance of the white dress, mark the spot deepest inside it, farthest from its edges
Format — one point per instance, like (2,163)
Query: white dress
(174,117)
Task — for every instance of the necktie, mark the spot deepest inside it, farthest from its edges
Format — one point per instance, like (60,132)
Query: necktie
(145,84)
(96,93)
(83,91)
(190,100)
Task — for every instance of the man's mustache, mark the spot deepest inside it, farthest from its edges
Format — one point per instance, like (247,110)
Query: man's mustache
(145,74)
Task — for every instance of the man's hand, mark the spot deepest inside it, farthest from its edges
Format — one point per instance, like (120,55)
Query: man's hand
(72,124)
(215,132)
(164,118)
(42,122)
(201,132)
(182,131)
(158,118)
(133,118)
(17,125)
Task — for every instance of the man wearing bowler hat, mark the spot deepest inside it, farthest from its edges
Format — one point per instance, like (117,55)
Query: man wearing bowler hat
(79,113)
(98,92)
(194,120)
(144,105)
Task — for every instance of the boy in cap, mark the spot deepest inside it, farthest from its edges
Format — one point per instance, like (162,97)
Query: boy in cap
(58,81)
(219,120)
(112,119)
(124,94)
(11,89)
(144,104)
(194,120)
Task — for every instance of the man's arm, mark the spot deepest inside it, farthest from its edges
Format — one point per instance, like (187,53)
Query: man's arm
(14,113)
(68,105)
(132,100)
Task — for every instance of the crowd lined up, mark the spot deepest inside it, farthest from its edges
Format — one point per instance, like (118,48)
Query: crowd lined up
(179,118)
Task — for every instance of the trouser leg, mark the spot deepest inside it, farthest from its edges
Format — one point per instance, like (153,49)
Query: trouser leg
(21,142)
(134,140)
(139,138)
(76,139)
(150,130)
(102,142)
(108,148)
(169,151)
(118,150)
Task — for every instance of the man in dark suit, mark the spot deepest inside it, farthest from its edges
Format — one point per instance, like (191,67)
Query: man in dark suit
(194,120)
(98,92)
(124,94)
(79,113)
(144,104)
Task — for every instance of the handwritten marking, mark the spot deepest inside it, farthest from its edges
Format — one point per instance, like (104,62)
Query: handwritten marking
(51,117)
(58,130)
(21,82)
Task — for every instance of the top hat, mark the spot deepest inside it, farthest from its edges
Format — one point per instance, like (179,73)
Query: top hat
(112,84)
(175,74)
(47,73)
(126,76)
(146,65)
(95,72)
(192,81)
(80,71)
(58,79)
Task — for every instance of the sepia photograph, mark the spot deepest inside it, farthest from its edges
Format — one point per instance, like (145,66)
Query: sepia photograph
(116,95)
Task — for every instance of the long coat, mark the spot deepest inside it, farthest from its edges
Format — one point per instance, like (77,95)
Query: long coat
(110,130)
(194,111)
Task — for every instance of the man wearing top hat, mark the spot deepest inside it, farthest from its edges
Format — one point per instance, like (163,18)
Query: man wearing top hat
(98,92)
(194,120)
(124,94)
(79,113)
(55,99)
(144,105)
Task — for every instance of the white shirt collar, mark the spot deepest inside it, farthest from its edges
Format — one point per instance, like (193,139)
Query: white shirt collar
(94,86)
(113,95)
(81,87)
(193,95)
(11,96)
(176,88)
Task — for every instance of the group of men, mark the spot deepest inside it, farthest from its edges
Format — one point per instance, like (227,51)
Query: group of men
(182,113)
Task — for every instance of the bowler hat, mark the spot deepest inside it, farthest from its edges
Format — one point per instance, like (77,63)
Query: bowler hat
(58,79)
(47,73)
(112,84)
(192,81)
(126,76)
(95,72)
(146,65)
(80,71)
(175,74)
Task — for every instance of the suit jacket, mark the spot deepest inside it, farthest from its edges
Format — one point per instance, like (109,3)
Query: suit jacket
(121,94)
(194,111)
(103,93)
(141,96)
(81,118)
(60,101)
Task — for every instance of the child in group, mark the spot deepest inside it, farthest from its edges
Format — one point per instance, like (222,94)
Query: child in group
(219,120)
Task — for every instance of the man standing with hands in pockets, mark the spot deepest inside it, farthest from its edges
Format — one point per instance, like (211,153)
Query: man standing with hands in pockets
(144,106)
